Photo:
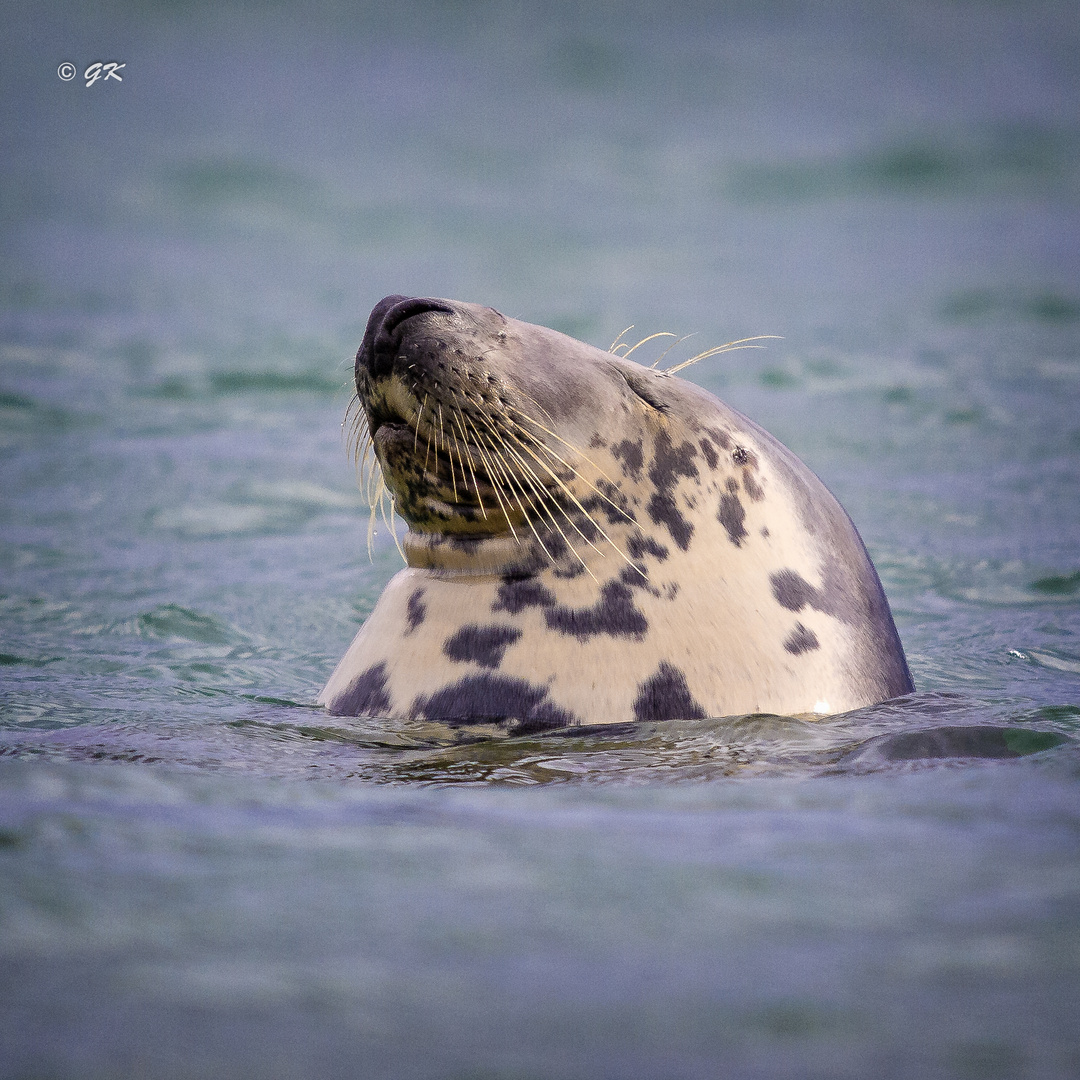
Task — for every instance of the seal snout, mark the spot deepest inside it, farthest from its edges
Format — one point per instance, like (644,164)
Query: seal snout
(382,338)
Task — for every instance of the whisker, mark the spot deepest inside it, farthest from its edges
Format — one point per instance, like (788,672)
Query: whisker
(449,456)
(651,337)
(611,347)
(575,471)
(544,505)
(674,344)
(427,449)
(522,500)
(416,429)
(589,517)
(504,437)
(495,487)
(435,432)
(456,415)
(371,524)
(731,346)
(536,404)
(390,526)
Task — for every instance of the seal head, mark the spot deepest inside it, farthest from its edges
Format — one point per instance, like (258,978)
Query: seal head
(592,541)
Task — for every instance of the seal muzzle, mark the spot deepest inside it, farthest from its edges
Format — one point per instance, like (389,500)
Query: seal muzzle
(382,338)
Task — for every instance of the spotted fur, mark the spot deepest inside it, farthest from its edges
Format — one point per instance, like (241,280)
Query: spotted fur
(592,541)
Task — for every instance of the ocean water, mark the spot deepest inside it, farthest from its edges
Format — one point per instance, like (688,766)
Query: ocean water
(202,874)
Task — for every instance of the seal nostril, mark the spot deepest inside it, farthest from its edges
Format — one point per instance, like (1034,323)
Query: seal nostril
(382,337)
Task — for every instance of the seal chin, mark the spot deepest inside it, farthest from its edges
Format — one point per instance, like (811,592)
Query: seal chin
(431,492)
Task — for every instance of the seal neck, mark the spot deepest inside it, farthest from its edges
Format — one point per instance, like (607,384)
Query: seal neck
(468,556)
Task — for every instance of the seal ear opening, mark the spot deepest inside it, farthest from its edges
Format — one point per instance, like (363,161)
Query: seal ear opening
(645,388)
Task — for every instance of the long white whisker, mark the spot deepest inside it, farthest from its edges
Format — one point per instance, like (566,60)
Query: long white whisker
(416,428)
(584,479)
(449,455)
(651,337)
(495,487)
(611,347)
(589,517)
(544,500)
(731,346)
(456,416)
(523,498)
(674,344)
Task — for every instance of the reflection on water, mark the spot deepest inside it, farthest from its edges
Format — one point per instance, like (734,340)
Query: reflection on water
(266,738)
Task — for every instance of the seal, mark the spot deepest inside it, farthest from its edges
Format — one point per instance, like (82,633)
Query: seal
(591,541)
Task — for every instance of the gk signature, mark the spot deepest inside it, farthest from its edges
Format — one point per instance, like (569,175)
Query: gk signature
(67,71)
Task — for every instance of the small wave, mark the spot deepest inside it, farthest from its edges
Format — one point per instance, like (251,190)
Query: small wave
(171,622)
(948,743)
(980,305)
(1058,584)
(220,519)
(1054,659)
(1002,159)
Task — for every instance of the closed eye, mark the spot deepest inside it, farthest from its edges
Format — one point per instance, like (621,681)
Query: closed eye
(645,388)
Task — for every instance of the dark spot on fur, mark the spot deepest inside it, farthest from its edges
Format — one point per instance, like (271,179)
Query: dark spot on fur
(668,464)
(517,594)
(666,697)
(720,438)
(733,485)
(710,453)
(794,592)
(753,488)
(637,577)
(630,454)
(739,456)
(732,515)
(556,544)
(614,613)
(802,640)
(850,591)
(565,563)
(416,611)
(611,502)
(367,695)
(483,645)
(663,511)
(597,441)
(765,530)
(639,545)
(489,698)
(568,569)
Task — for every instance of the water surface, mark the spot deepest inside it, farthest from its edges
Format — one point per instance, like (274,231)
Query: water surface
(203,874)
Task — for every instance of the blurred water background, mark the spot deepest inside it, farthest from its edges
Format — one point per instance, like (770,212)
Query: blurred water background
(203,875)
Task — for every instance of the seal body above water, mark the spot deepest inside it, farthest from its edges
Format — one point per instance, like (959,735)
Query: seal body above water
(592,541)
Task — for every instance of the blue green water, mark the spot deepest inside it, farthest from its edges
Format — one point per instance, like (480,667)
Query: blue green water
(201,874)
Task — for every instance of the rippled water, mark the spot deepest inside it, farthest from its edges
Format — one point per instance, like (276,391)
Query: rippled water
(201,873)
